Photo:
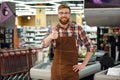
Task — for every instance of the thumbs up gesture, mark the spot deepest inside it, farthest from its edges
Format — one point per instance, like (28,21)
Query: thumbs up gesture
(54,34)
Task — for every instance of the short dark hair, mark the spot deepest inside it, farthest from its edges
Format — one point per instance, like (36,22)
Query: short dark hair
(64,6)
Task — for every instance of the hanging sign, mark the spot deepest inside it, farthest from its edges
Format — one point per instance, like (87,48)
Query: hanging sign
(5,12)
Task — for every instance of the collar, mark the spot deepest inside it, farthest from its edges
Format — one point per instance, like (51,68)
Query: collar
(60,26)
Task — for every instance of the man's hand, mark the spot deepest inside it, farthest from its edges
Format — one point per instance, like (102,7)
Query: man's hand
(54,34)
(47,41)
(78,67)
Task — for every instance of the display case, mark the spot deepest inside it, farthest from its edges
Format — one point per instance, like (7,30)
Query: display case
(44,70)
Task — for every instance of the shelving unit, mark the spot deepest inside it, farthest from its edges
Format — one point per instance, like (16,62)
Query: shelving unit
(33,36)
(114,46)
(93,37)
(106,35)
(109,41)
(101,41)
(29,37)
(20,30)
(92,34)
(6,41)
(39,35)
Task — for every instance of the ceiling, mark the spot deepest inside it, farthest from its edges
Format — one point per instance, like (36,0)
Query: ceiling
(28,7)
(105,14)
(93,15)
(104,4)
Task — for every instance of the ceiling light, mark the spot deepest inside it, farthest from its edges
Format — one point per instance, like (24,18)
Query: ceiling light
(28,17)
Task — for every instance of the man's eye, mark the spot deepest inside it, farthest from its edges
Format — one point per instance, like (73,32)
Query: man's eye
(64,13)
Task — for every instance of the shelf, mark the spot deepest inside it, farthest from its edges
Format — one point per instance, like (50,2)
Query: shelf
(41,34)
(34,36)
(39,37)
(7,41)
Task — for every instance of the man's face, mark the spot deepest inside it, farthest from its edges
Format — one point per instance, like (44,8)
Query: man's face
(64,16)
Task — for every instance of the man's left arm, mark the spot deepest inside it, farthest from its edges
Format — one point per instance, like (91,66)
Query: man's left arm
(87,44)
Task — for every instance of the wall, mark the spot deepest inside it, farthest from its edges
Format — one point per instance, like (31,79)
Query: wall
(40,18)
(24,21)
(53,20)
(50,20)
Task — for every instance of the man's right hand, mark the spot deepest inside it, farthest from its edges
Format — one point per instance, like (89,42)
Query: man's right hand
(54,34)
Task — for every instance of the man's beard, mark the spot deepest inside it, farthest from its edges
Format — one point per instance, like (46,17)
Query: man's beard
(64,22)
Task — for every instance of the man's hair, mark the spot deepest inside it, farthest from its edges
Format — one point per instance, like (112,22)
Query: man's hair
(64,6)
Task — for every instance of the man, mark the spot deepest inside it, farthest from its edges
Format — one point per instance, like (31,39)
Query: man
(66,39)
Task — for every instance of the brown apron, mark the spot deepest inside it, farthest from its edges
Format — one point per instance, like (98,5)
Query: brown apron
(65,56)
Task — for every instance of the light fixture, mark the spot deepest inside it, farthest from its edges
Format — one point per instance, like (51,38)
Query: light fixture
(28,17)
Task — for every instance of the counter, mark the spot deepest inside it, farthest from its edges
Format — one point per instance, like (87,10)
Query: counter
(42,70)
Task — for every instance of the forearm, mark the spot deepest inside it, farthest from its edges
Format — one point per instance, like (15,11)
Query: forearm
(47,41)
(50,37)
(81,66)
(87,58)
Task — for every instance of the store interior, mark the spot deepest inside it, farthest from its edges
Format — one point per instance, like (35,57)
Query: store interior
(25,23)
